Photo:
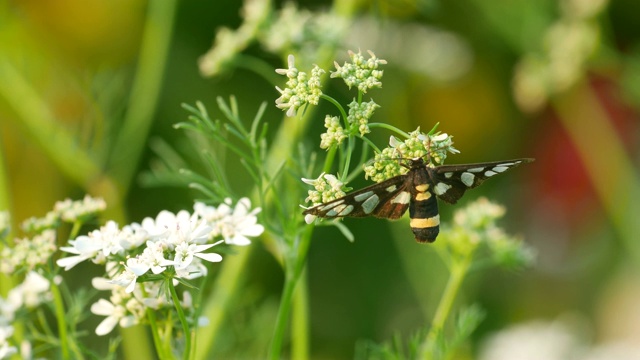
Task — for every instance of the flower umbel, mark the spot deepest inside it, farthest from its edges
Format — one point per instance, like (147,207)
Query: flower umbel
(301,88)
(335,134)
(360,72)
(28,253)
(72,211)
(359,115)
(418,145)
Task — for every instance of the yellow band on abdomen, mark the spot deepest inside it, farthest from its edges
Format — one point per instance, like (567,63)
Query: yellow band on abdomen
(425,223)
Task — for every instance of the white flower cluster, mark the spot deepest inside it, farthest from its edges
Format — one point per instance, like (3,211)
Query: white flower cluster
(301,30)
(476,224)
(359,115)
(33,291)
(360,72)
(335,134)
(28,253)
(228,42)
(418,145)
(174,242)
(301,88)
(567,46)
(68,210)
(72,211)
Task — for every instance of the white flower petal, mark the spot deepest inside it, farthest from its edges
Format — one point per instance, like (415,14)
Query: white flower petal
(238,240)
(211,257)
(100,283)
(106,326)
(102,307)
(254,230)
(71,261)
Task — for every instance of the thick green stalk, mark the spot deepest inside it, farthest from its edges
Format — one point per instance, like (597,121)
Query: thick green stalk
(293,270)
(157,342)
(183,320)
(300,319)
(61,320)
(145,91)
(282,318)
(459,269)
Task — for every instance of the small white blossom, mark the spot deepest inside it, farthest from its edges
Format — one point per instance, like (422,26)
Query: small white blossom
(97,246)
(242,224)
(173,229)
(6,331)
(235,225)
(185,252)
(152,258)
(132,236)
(31,292)
(164,222)
(127,278)
(115,314)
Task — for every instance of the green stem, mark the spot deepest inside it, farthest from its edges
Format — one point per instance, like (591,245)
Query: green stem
(153,324)
(61,319)
(300,319)
(389,127)
(75,229)
(155,333)
(347,164)
(145,91)
(459,270)
(292,275)
(339,106)
(328,161)
(183,320)
(282,318)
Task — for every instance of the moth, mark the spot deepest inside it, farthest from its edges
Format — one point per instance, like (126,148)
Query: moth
(416,190)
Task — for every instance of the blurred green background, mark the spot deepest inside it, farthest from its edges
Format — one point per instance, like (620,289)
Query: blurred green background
(87,88)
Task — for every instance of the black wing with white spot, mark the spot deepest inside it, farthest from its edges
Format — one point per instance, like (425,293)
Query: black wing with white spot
(388,199)
(451,181)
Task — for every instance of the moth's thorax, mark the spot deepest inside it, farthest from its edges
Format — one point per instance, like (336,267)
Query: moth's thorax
(419,178)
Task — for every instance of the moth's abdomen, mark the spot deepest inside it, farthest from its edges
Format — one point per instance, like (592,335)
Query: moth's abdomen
(426,235)
(423,211)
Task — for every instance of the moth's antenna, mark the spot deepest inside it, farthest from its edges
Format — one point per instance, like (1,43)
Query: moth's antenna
(429,148)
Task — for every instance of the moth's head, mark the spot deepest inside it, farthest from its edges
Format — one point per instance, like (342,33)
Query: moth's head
(413,163)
